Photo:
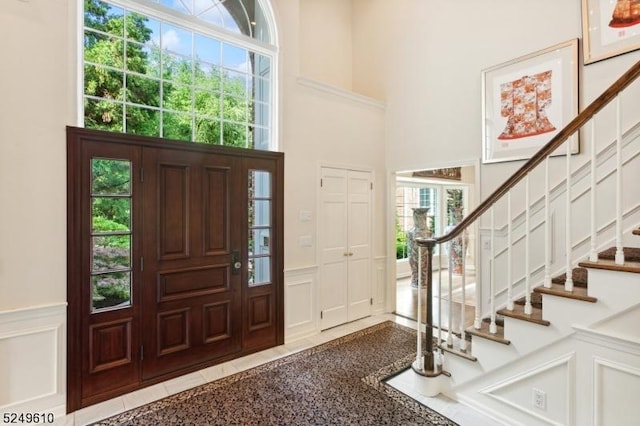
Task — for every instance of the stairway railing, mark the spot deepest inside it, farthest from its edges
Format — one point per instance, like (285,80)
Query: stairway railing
(428,361)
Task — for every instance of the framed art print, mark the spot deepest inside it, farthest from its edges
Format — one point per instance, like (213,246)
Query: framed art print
(609,28)
(527,101)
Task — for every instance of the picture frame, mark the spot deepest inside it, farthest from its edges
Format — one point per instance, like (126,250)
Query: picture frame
(609,28)
(527,101)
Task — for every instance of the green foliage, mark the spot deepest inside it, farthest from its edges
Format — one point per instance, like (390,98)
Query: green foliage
(206,105)
(110,290)
(401,242)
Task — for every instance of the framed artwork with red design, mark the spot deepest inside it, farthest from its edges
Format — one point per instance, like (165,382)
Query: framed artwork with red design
(527,101)
(609,28)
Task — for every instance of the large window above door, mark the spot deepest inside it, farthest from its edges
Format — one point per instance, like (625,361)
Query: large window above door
(193,70)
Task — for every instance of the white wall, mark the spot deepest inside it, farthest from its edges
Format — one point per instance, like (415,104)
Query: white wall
(36,92)
(326,36)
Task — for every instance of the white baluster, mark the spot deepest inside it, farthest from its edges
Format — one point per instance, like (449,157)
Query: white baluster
(493,328)
(619,249)
(477,321)
(463,341)
(509,247)
(450,302)
(593,253)
(547,226)
(568,284)
(440,304)
(527,251)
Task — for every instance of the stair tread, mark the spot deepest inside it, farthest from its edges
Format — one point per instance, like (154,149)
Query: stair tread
(455,349)
(483,332)
(610,265)
(631,254)
(536,301)
(518,313)
(636,231)
(579,276)
(578,293)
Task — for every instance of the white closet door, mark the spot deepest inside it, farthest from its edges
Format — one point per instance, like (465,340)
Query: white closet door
(345,246)
(359,241)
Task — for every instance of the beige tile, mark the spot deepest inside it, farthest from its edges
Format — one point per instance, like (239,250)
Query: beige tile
(185,382)
(68,420)
(218,371)
(299,345)
(321,338)
(144,396)
(99,411)
(275,353)
(249,361)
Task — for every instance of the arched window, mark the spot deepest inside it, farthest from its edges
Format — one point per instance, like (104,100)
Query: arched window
(195,70)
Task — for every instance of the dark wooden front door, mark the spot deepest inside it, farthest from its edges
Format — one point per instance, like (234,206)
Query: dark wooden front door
(174,259)
(192,235)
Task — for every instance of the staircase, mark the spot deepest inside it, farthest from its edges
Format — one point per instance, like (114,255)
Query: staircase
(567,349)
(572,343)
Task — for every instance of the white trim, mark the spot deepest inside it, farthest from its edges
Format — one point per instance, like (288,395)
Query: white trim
(31,313)
(309,269)
(607,340)
(340,92)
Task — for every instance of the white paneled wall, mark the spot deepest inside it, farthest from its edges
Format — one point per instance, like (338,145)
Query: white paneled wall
(33,360)
(300,302)
(301,307)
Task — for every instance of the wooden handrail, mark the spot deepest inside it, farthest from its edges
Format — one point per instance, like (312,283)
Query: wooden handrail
(576,124)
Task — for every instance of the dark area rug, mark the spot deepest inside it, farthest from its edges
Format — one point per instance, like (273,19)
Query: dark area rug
(340,382)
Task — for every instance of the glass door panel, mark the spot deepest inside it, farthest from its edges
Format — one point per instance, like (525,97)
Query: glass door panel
(111,236)
(260,224)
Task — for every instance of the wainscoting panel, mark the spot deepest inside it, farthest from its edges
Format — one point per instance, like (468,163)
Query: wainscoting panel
(616,391)
(301,310)
(379,284)
(33,360)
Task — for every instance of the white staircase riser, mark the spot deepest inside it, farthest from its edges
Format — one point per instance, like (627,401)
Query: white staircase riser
(527,336)
(614,290)
(563,313)
(462,370)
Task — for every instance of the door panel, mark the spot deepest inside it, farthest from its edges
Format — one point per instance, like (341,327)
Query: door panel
(192,298)
(359,237)
(334,250)
(173,185)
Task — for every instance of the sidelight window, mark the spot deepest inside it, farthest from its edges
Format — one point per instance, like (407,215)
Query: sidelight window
(111,237)
(260,227)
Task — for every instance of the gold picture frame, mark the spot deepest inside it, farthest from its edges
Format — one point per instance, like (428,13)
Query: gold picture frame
(527,101)
(609,28)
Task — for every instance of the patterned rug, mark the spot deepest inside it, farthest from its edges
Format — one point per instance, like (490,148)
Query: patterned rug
(340,382)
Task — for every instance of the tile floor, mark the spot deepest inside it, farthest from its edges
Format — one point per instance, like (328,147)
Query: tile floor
(404,382)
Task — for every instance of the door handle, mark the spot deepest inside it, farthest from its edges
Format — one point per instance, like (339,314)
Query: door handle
(235,262)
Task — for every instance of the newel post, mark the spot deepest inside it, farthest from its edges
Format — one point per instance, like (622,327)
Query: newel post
(425,364)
